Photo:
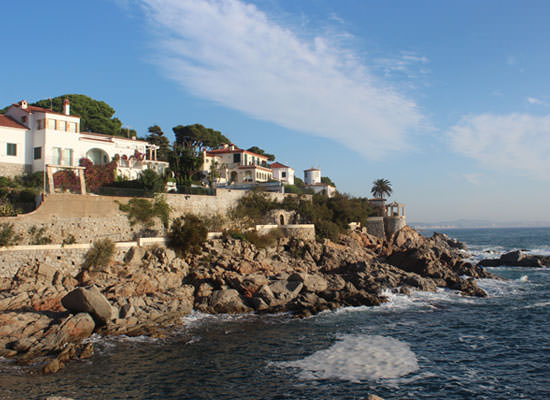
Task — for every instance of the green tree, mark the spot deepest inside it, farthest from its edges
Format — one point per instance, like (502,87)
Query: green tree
(327,180)
(257,150)
(381,188)
(191,140)
(156,137)
(151,181)
(95,115)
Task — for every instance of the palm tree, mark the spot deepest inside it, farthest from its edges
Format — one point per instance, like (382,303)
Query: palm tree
(381,187)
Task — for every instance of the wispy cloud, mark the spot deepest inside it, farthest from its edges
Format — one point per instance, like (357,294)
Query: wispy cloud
(536,101)
(518,143)
(230,52)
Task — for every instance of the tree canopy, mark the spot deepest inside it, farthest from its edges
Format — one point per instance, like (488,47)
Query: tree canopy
(186,158)
(257,150)
(95,115)
(327,180)
(156,137)
(197,137)
(380,188)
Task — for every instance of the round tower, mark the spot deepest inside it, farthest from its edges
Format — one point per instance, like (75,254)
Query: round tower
(312,176)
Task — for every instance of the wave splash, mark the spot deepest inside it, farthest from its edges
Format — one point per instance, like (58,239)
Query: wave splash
(358,358)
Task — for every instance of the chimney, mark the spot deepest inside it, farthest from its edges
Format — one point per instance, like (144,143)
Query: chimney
(24,104)
(66,107)
(225,145)
(232,147)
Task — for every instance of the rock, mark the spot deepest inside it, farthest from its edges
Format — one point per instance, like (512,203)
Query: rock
(46,272)
(315,283)
(134,257)
(284,291)
(374,397)
(87,351)
(517,259)
(52,367)
(227,301)
(88,300)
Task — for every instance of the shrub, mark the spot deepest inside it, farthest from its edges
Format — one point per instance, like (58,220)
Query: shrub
(7,235)
(68,240)
(97,175)
(187,234)
(38,236)
(151,181)
(143,211)
(66,180)
(100,254)
(263,241)
(6,208)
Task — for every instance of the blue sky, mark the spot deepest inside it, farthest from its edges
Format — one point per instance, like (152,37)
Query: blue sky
(450,101)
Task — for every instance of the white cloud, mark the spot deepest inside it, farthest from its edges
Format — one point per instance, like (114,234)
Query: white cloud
(230,52)
(516,142)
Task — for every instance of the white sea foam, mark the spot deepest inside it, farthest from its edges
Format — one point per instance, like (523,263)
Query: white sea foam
(539,304)
(358,358)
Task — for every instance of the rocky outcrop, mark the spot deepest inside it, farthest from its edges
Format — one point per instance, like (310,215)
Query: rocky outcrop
(149,292)
(88,300)
(517,259)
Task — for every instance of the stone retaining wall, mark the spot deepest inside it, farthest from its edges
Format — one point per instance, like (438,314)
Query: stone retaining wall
(394,224)
(12,170)
(375,226)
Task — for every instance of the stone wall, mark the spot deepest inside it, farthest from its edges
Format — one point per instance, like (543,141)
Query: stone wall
(302,231)
(394,224)
(375,226)
(12,170)
(66,260)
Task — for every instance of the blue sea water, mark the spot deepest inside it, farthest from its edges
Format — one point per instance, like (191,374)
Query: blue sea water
(424,346)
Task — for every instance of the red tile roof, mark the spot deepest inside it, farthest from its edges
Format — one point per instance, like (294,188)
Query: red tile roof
(254,166)
(278,165)
(10,123)
(235,150)
(42,110)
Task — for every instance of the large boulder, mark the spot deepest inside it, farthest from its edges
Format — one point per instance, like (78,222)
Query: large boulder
(88,300)
(227,301)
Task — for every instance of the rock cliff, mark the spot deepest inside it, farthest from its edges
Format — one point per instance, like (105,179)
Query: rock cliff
(45,315)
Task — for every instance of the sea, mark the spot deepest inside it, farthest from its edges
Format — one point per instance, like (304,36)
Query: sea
(422,346)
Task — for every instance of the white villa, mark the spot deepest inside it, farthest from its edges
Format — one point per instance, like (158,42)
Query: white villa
(37,139)
(236,166)
(282,173)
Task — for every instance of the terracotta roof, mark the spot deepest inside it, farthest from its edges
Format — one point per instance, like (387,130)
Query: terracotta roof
(42,110)
(106,136)
(254,166)
(235,150)
(10,123)
(278,165)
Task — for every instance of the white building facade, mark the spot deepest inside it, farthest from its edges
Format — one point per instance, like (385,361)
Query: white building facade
(312,180)
(32,138)
(282,173)
(236,166)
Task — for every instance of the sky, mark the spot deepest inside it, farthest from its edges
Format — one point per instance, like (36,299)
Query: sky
(450,101)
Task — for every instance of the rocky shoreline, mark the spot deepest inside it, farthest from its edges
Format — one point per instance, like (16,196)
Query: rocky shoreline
(46,316)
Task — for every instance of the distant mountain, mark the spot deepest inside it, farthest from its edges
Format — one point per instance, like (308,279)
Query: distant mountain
(477,224)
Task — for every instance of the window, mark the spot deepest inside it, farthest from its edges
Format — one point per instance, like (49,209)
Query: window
(283,174)
(51,124)
(237,158)
(39,124)
(11,149)
(61,126)
(37,153)
(67,157)
(56,157)
(72,126)
(245,159)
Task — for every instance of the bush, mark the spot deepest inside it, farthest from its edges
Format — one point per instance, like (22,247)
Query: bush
(68,240)
(6,208)
(151,181)
(187,234)
(66,180)
(7,235)
(143,211)
(263,241)
(38,236)
(100,254)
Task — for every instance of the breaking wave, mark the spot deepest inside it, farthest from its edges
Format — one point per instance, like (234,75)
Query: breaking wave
(358,358)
